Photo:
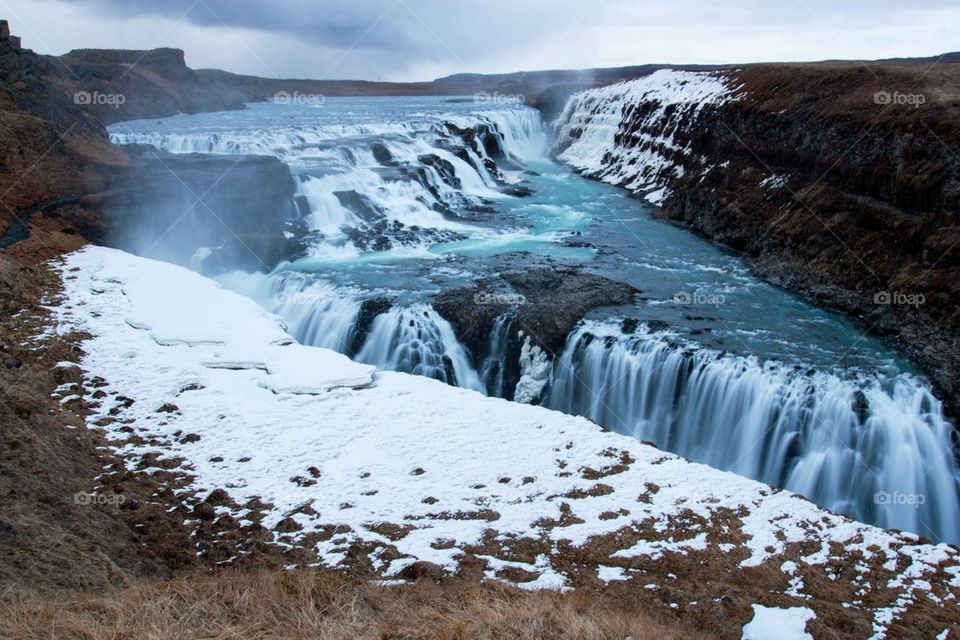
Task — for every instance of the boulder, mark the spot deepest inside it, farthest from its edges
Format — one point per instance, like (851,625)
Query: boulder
(546,304)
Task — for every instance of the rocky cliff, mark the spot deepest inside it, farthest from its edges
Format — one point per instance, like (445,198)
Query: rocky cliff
(125,85)
(210,212)
(53,151)
(839,180)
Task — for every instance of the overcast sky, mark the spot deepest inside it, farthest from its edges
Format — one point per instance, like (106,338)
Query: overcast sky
(424,39)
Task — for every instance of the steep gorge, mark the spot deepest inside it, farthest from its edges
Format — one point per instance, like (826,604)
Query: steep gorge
(838,180)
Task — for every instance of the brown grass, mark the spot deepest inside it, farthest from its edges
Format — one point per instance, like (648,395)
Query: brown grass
(321,604)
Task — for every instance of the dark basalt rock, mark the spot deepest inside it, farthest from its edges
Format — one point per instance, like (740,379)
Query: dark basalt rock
(164,85)
(443,167)
(518,190)
(369,310)
(241,210)
(360,205)
(488,144)
(547,304)
(867,203)
(661,325)
(381,154)
(386,234)
(557,299)
(461,153)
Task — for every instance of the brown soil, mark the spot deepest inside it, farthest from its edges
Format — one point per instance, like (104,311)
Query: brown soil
(51,536)
(317,604)
(145,564)
(140,561)
(165,566)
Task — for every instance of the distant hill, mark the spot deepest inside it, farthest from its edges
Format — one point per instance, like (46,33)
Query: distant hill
(158,83)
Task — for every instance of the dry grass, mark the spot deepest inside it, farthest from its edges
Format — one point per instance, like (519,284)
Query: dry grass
(318,604)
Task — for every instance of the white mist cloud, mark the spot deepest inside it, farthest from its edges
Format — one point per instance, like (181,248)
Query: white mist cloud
(423,39)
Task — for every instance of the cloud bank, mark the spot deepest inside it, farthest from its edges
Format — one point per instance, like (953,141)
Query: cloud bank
(424,39)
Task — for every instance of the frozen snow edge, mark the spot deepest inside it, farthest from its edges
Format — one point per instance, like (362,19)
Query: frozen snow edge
(420,471)
(625,133)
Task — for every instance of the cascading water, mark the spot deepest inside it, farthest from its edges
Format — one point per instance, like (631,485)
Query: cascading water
(315,312)
(846,444)
(406,198)
(372,185)
(494,372)
(417,340)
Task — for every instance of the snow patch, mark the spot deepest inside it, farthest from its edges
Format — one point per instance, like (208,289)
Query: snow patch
(296,425)
(603,134)
(771,622)
(535,368)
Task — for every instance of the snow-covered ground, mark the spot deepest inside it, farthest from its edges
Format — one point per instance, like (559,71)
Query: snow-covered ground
(217,381)
(624,133)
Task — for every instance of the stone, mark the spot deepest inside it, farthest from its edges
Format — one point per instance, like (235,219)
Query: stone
(288,525)
(218,497)
(381,154)
(420,570)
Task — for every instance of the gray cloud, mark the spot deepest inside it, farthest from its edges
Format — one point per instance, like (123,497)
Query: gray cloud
(420,39)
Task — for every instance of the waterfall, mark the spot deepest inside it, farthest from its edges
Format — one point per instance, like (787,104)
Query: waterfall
(326,214)
(282,141)
(375,186)
(878,450)
(521,132)
(413,339)
(493,371)
(315,312)
(417,340)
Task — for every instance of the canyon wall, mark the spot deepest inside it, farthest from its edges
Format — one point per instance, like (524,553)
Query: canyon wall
(838,180)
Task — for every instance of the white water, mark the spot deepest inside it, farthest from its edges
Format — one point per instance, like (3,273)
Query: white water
(494,365)
(417,340)
(840,437)
(315,312)
(412,339)
(844,443)
(334,157)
